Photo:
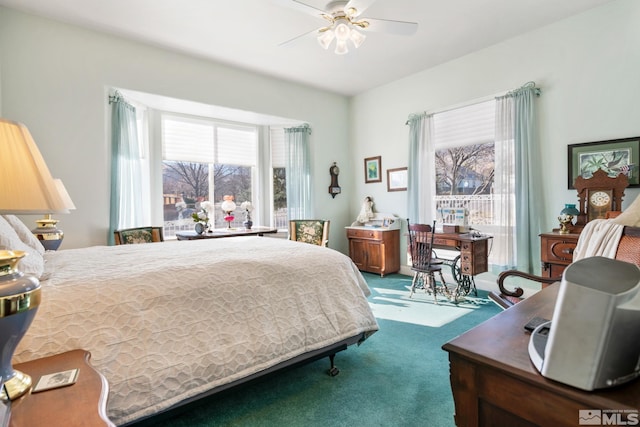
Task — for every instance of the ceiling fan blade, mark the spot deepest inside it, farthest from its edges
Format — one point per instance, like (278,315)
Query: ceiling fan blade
(290,41)
(359,5)
(302,7)
(402,28)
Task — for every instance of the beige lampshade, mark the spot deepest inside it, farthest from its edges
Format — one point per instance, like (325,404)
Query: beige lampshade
(27,186)
(68,203)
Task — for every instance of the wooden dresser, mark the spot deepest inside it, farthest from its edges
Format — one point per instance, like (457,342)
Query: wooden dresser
(494,382)
(375,250)
(556,252)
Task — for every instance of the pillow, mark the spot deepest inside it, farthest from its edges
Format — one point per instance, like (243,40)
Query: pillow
(24,233)
(33,262)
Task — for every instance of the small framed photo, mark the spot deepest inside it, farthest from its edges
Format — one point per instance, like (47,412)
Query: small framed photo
(387,222)
(372,168)
(397,179)
(616,156)
(55,380)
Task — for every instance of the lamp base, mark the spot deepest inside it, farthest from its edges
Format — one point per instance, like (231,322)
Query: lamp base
(20,297)
(48,234)
(18,385)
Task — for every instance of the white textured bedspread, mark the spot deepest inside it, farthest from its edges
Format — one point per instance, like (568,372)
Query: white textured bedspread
(168,321)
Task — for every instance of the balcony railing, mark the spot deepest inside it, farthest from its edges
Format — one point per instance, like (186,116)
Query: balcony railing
(480,208)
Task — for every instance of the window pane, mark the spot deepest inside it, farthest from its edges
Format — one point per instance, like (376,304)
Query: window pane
(231,180)
(280,198)
(184,185)
(467,169)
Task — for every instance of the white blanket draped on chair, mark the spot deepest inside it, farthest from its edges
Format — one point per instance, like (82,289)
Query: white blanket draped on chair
(600,237)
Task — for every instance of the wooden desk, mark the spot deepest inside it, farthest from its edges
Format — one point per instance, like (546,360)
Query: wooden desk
(474,251)
(473,258)
(80,404)
(494,382)
(224,232)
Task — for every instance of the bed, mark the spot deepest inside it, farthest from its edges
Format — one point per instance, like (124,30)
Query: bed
(167,323)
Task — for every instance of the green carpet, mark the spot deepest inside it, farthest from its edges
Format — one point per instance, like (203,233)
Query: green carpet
(398,377)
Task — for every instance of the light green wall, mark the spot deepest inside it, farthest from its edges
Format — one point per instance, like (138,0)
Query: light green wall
(54,80)
(587,67)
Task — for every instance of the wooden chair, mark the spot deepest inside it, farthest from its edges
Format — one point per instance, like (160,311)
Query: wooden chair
(628,251)
(424,262)
(314,231)
(127,236)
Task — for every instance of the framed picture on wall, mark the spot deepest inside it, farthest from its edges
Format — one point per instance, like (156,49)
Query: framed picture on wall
(397,179)
(372,169)
(616,156)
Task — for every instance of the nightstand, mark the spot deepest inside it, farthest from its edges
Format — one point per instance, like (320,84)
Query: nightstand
(81,404)
(557,252)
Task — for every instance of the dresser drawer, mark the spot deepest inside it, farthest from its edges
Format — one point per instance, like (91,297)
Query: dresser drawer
(443,242)
(364,234)
(557,248)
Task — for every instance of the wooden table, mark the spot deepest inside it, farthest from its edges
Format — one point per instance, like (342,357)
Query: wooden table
(225,232)
(80,404)
(494,382)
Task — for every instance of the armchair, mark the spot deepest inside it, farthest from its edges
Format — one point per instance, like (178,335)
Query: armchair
(314,231)
(138,235)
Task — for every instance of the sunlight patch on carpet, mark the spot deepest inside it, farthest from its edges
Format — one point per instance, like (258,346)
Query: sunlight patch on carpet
(421,309)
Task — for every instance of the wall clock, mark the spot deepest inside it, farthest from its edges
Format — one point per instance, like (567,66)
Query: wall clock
(334,188)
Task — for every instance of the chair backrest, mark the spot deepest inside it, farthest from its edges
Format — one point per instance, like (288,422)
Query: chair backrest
(314,231)
(421,245)
(127,236)
(629,246)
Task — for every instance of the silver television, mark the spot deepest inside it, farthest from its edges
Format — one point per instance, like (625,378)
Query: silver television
(593,338)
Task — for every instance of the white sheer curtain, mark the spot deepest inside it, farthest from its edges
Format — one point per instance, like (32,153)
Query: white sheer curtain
(421,187)
(126,168)
(518,173)
(298,172)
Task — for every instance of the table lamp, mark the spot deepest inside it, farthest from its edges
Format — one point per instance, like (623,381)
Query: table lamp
(228,206)
(26,187)
(566,217)
(46,232)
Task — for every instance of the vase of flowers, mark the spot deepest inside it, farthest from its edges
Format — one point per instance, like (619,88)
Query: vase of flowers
(247,207)
(201,218)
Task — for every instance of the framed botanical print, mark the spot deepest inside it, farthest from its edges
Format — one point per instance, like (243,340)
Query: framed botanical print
(614,157)
(372,169)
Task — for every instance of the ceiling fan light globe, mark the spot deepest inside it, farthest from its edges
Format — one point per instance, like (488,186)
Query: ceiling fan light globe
(357,38)
(325,38)
(342,32)
(341,47)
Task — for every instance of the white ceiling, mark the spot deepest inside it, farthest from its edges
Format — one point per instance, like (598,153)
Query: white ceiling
(247,33)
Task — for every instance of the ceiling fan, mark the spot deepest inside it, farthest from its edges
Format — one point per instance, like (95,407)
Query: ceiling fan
(346,23)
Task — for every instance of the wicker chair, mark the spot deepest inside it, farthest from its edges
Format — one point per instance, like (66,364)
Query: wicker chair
(628,251)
